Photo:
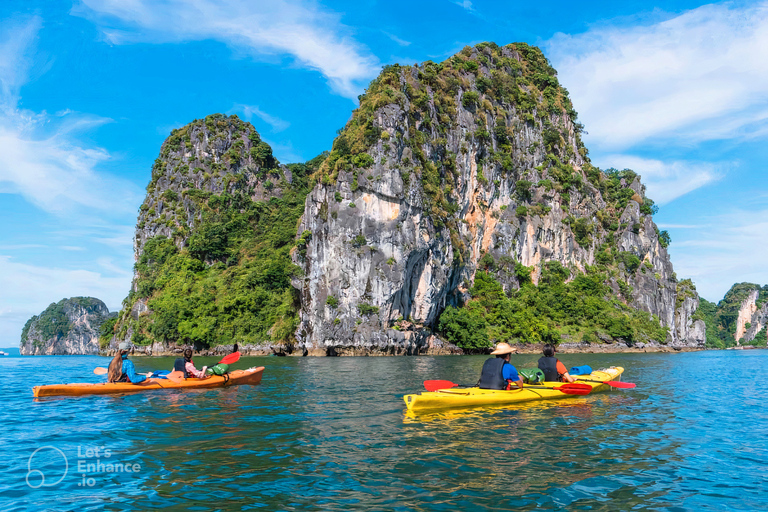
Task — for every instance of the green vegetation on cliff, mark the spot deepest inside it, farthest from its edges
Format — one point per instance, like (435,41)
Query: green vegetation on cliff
(224,275)
(583,309)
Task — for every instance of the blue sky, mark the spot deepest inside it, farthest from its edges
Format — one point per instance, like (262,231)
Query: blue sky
(89,89)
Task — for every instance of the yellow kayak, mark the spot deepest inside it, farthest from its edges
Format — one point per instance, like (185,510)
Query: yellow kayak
(473,397)
(249,376)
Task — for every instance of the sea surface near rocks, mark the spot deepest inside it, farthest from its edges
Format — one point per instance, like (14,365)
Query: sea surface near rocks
(332,434)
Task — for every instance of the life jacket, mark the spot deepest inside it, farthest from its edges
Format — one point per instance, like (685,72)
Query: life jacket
(180,365)
(549,366)
(492,376)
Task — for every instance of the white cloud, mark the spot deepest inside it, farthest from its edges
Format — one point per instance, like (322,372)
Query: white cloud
(698,76)
(666,181)
(315,38)
(40,156)
(465,4)
(16,37)
(727,250)
(401,42)
(249,111)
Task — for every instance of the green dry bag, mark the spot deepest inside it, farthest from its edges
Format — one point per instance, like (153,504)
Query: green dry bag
(532,375)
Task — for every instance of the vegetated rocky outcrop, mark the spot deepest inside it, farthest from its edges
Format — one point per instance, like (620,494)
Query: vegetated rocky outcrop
(443,164)
(68,327)
(212,242)
(740,318)
(444,171)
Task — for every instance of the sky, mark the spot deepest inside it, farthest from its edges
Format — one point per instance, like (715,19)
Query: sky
(90,89)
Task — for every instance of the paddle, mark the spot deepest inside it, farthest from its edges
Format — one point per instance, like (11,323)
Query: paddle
(613,383)
(231,358)
(176,376)
(568,389)
(434,385)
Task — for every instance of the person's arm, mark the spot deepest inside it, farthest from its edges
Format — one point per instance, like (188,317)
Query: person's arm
(130,372)
(563,372)
(509,372)
(194,372)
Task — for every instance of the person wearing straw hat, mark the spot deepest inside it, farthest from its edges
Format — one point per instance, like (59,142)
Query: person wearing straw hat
(497,372)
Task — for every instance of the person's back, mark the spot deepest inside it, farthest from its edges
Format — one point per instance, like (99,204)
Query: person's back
(179,365)
(554,370)
(491,376)
(497,373)
(121,368)
(548,365)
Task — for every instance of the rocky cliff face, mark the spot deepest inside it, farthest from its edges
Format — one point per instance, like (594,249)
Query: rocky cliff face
(212,156)
(445,163)
(69,327)
(750,318)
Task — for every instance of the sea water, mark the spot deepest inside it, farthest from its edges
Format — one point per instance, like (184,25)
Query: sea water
(333,434)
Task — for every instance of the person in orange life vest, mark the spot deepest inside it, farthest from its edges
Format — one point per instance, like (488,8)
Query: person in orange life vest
(497,373)
(554,370)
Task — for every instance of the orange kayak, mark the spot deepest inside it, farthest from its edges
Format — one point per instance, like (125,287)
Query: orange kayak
(249,376)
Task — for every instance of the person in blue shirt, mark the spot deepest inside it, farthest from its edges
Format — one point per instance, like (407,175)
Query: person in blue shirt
(497,373)
(121,368)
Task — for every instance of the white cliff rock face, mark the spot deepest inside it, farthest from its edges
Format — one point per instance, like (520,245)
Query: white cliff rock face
(746,312)
(70,327)
(751,318)
(379,253)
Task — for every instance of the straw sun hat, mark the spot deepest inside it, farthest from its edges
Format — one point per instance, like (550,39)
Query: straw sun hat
(502,348)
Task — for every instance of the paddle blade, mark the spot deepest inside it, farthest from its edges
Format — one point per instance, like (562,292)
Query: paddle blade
(434,385)
(231,358)
(176,376)
(623,385)
(100,371)
(575,389)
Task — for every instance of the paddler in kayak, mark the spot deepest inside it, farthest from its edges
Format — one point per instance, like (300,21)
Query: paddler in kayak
(121,368)
(554,370)
(497,372)
(187,366)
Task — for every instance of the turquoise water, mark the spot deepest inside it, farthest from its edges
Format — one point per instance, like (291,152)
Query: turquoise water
(332,434)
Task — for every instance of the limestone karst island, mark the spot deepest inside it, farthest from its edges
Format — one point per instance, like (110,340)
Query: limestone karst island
(456,209)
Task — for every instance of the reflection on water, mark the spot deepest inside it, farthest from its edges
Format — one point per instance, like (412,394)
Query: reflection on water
(333,434)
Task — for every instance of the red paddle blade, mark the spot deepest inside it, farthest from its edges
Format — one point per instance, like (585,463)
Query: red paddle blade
(575,389)
(617,384)
(434,385)
(231,358)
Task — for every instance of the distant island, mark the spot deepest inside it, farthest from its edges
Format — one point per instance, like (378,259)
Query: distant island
(68,327)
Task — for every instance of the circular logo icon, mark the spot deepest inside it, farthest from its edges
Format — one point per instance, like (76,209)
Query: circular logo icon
(37,473)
